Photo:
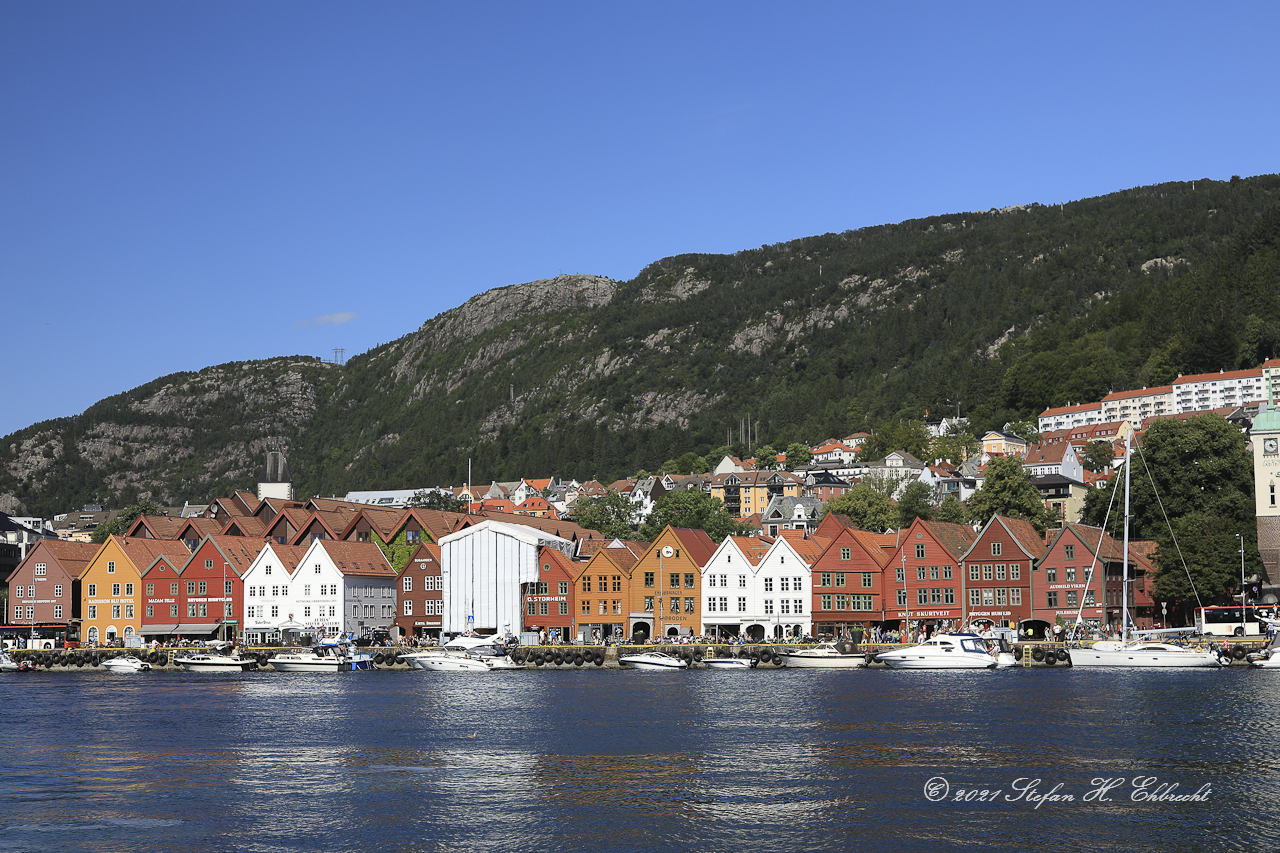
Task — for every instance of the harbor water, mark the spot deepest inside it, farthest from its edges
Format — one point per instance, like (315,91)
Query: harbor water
(605,760)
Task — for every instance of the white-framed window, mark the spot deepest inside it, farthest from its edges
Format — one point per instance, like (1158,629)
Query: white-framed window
(93,611)
(111,567)
(408,607)
(768,605)
(408,587)
(40,570)
(93,590)
(275,611)
(57,611)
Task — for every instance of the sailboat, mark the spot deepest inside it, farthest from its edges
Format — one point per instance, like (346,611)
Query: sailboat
(1139,652)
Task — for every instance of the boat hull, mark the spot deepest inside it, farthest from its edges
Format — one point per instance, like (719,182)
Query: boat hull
(127,665)
(799,660)
(309,665)
(930,662)
(447,663)
(214,664)
(1132,658)
(727,663)
(652,662)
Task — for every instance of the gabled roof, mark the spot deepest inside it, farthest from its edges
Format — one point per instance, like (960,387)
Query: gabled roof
(956,538)
(384,520)
(561,527)
(198,528)
(1024,534)
(697,544)
(1097,541)
(156,527)
(562,560)
(72,556)
(1220,375)
(752,548)
(249,526)
(1046,454)
(289,556)
(428,551)
(358,559)
(622,559)
(143,552)
(239,552)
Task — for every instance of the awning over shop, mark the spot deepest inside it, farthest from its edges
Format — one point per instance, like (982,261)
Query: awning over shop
(159,629)
(196,627)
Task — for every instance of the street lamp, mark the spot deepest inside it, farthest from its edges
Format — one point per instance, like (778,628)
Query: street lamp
(1243,597)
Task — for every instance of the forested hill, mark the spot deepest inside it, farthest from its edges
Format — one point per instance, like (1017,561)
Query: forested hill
(1006,311)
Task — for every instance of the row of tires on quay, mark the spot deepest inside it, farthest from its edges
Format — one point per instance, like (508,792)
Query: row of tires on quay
(73,658)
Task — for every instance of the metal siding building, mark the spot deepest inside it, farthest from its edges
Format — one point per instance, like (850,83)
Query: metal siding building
(482,569)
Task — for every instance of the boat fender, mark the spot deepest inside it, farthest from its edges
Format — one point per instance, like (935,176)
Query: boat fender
(1017,652)
(95,661)
(686,657)
(765,656)
(870,658)
(377,658)
(1062,654)
(1050,659)
(1237,652)
(578,659)
(558,658)
(697,656)
(517,657)
(599,658)
(1037,654)
(538,660)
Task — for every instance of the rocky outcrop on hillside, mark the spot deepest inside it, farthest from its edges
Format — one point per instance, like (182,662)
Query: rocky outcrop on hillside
(492,308)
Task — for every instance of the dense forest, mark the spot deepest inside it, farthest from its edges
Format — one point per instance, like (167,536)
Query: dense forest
(996,314)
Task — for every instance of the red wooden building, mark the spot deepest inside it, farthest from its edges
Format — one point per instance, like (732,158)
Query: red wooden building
(997,573)
(419,604)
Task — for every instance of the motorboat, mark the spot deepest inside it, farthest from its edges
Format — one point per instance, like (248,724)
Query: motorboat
(126,663)
(1002,650)
(213,662)
(727,663)
(841,655)
(942,651)
(1144,653)
(652,660)
(314,659)
(438,660)
(7,664)
(1268,657)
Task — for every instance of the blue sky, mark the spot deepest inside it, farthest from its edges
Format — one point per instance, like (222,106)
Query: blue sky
(186,184)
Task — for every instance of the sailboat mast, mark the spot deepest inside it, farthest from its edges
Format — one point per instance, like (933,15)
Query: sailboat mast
(1124,586)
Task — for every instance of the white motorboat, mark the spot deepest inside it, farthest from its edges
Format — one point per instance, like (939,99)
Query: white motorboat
(439,660)
(314,659)
(1267,657)
(7,664)
(826,656)
(126,663)
(727,663)
(207,662)
(1143,653)
(1002,651)
(652,660)
(942,651)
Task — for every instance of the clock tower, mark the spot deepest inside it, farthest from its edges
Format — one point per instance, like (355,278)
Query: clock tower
(1266,484)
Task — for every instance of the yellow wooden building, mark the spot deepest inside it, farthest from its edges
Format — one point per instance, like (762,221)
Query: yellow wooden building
(111,586)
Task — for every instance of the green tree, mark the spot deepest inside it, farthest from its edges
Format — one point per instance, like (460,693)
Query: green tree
(951,510)
(688,463)
(1203,477)
(122,522)
(609,514)
(693,509)
(766,458)
(435,499)
(1097,456)
(865,507)
(911,436)
(916,502)
(1007,490)
(798,453)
